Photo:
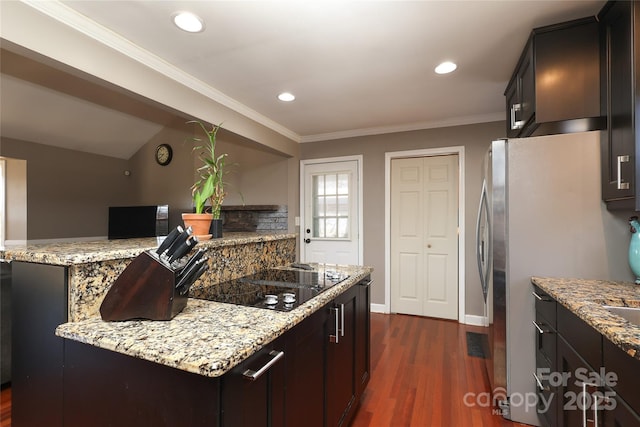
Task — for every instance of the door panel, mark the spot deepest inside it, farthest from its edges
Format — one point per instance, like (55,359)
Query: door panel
(330,220)
(424,236)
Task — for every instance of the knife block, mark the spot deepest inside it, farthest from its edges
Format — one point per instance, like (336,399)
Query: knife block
(146,289)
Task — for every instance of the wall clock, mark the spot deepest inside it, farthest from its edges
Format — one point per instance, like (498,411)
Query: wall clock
(164,154)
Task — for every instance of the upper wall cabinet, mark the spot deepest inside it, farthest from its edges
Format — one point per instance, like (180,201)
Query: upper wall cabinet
(620,41)
(555,87)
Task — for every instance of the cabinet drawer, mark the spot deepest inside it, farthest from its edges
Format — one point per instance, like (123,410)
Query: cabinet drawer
(585,340)
(547,394)
(545,307)
(545,341)
(627,370)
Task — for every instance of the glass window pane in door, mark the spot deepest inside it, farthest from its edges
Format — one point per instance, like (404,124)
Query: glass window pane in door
(331,205)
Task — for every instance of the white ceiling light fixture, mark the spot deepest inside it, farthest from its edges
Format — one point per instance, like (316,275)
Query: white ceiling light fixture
(188,22)
(286,97)
(446,67)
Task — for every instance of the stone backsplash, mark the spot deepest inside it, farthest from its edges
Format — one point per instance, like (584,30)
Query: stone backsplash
(262,218)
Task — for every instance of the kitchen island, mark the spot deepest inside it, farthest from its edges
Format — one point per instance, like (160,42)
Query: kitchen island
(95,370)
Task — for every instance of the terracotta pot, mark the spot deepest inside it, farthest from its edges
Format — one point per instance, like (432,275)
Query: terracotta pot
(200,223)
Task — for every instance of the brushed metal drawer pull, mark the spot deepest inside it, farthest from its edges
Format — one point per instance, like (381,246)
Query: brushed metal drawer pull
(540,297)
(622,185)
(540,386)
(539,328)
(254,375)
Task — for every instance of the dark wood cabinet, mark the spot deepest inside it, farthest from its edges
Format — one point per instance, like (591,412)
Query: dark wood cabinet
(555,87)
(103,388)
(305,372)
(341,381)
(622,407)
(546,343)
(39,298)
(520,93)
(587,378)
(620,53)
(312,375)
(253,393)
(619,414)
(578,395)
(363,335)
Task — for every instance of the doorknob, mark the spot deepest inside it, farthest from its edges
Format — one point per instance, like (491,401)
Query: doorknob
(429,245)
(307,240)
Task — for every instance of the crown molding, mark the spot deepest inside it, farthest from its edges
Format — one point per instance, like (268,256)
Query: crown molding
(68,16)
(456,121)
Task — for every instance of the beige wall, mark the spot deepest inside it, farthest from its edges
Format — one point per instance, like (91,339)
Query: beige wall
(68,192)
(475,139)
(257,175)
(16,200)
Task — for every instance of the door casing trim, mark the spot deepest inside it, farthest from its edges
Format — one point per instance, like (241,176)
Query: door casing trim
(427,152)
(303,164)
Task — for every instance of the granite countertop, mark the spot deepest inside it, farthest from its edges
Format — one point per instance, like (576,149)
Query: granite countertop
(207,338)
(585,298)
(71,253)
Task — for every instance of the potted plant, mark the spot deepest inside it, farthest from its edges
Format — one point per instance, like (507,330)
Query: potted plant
(209,186)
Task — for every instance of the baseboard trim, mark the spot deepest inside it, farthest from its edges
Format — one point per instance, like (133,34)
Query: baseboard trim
(379,308)
(470,319)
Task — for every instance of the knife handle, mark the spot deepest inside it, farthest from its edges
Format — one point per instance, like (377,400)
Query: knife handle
(169,239)
(183,249)
(182,237)
(192,280)
(194,258)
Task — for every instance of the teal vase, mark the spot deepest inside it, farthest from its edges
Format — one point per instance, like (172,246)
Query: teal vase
(634,247)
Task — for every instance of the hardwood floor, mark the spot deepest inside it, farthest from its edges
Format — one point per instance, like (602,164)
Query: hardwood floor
(420,375)
(5,407)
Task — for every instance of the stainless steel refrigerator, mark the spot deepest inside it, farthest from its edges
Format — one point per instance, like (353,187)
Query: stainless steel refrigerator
(540,215)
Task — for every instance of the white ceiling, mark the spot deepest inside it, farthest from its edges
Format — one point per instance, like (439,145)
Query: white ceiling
(356,67)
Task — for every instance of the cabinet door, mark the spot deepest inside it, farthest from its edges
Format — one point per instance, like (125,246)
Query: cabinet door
(526,79)
(341,382)
(39,298)
(305,372)
(520,94)
(363,335)
(577,404)
(618,414)
(513,109)
(618,143)
(253,392)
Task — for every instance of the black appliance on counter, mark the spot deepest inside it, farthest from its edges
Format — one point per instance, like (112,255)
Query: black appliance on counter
(272,289)
(126,222)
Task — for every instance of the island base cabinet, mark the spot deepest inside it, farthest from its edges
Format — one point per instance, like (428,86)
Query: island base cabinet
(341,374)
(39,298)
(253,392)
(305,373)
(107,389)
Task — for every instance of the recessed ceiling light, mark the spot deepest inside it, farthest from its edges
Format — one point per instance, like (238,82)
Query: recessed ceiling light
(446,67)
(188,21)
(286,97)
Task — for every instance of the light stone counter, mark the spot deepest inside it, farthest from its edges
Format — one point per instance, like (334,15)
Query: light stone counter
(585,299)
(93,266)
(206,338)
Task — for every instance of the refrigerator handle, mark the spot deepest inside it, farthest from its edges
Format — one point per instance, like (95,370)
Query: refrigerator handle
(483,253)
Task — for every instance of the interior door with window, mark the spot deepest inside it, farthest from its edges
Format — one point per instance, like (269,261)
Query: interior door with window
(330,213)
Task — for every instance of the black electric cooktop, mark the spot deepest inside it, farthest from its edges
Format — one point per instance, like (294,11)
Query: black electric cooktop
(273,289)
